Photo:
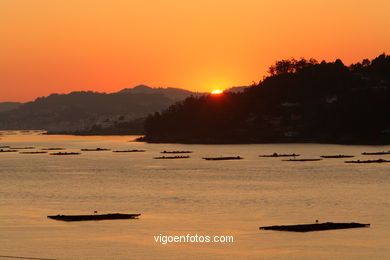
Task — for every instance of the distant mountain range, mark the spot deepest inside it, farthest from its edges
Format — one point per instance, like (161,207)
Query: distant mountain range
(80,111)
(171,93)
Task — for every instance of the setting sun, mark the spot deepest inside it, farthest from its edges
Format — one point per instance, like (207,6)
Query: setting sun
(216,92)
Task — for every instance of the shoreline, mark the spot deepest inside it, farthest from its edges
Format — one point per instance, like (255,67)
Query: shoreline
(264,141)
(216,141)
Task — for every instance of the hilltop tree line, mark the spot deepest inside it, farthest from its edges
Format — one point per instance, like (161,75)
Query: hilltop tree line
(299,101)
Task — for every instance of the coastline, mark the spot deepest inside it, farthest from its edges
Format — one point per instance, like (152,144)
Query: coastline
(89,133)
(261,141)
(146,139)
(356,140)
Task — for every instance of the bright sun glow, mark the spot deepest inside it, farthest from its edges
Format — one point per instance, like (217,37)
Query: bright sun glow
(217,92)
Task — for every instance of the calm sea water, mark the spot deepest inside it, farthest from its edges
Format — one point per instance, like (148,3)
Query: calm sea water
(194,196)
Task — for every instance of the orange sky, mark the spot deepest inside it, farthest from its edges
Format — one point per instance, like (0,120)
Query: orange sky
(51,46)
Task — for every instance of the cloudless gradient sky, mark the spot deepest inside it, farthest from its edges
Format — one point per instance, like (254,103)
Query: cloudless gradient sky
(59,46)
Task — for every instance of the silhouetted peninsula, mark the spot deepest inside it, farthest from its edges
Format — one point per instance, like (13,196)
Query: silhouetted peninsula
(300,101)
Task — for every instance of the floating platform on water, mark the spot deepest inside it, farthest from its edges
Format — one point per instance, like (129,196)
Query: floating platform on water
(33,152)
(369,161)
(280,155)
(7,151)
(336,156)
(171,157)
(128,151)
(377,153)
(95,149)
(222,158)
(315,227)
(94,217)
(21,148)
(302,160)
(65,153)
(176,152)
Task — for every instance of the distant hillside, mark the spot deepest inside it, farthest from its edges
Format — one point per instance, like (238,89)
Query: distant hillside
(78,111)
(7,106)
(171,93)
(300,101)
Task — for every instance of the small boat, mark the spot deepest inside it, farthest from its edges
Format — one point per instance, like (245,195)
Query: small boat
(377,153)
(95,149)
(94,217)
(279,155)
(33,152)
(128,151)
(7,151)
(5,146)
(369,161)
(172,157)
(222,158)
(52,149)
(176,151)
(302,160)
(337,156)
(315,227)
(64,153)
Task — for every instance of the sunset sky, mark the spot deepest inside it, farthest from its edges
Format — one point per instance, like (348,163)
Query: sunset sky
(49,46)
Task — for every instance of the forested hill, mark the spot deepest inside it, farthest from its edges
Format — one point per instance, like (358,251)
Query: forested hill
(300,101)
(85,110)
(7,106)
